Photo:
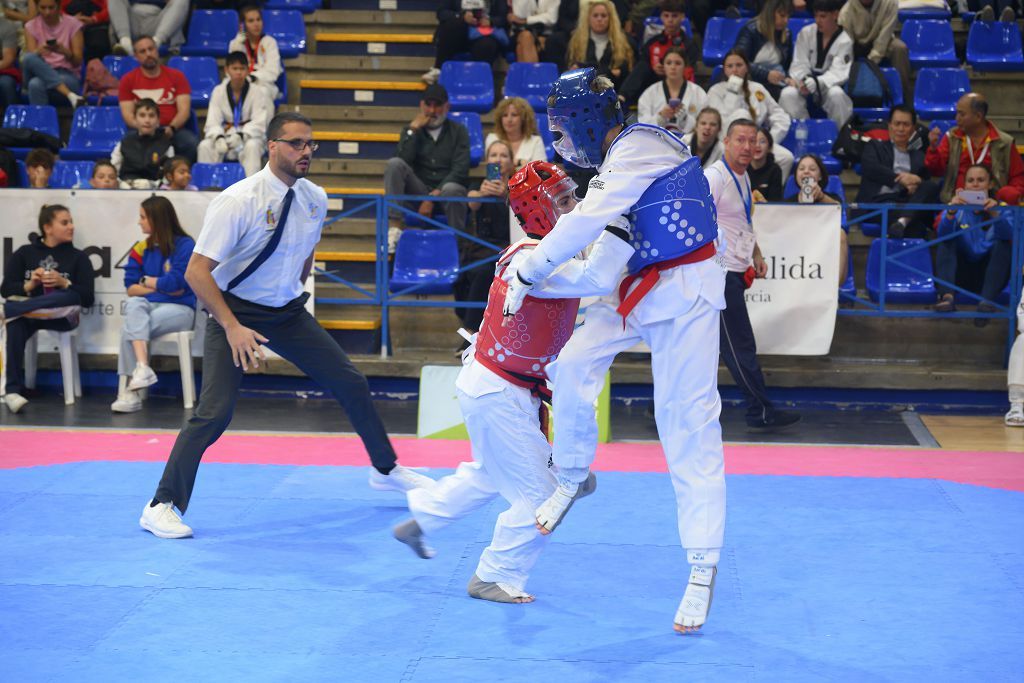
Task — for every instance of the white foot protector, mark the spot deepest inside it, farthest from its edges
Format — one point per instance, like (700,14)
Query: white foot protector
(553,510)
(696,603)
(496,591)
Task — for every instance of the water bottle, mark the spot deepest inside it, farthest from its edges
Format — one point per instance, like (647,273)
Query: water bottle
(801,138)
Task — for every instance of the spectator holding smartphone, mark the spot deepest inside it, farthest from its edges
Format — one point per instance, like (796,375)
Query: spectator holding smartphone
(516,126)
(53,55)
(673,102)
(811,180)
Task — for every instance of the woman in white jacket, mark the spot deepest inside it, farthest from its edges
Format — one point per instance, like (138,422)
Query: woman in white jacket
(673,102)
(738,97)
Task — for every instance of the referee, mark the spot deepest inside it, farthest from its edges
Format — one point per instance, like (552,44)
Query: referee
(249,264)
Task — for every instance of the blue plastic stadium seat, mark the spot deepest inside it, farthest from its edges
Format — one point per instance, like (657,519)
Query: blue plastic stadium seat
(95,131)
(282,88)
(202,74)
(426,256)
(994,46)
(941,13)
(22,174)
(71,174)
(120,65)
(546,136)
(892,77)
(930,43)
(471,120)
(937,91)
(821,135)
(653,26)
(289,30)
(217,175)
(41,117)
(848,287)
(719,37)
(210,31)
(796,24)
(470,85)
(304,6)
(532,82)
(902,286)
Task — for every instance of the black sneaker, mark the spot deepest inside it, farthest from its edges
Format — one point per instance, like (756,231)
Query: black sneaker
(775,420)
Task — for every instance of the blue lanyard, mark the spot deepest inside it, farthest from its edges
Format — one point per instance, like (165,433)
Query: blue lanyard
(238,113)
(749,199)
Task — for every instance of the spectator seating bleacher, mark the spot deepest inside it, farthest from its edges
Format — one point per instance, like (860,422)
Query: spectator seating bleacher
(796,24)
(532,82)
(288,28)
(71,174)
(95,131)
(892,77)
(217,175)
(719,37)
(902,286)
(994,46)
(930,43)
(471,120)
(22,173)
(821,136)
(849,287)
(941,13)
(202,74)
(937,90)
(426,256)
(120,65)
(546,136)
(470,85)
(209,33)
(282,88)
(304,6)
(37,117)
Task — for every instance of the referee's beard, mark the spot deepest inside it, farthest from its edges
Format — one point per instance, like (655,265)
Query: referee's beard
(296,169)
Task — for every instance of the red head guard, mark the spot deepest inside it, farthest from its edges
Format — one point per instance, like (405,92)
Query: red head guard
(539,193)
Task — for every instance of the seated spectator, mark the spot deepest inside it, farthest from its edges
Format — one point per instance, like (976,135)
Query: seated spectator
(894,172)
(174,93)
(703,139)
(53,55)
(978,260)
(161,20)
(986,10)
(557,44)
(811,180)
(236,122)
(159,299)
(479,29)
(530,22)
(516,126)
(95,25)
(432,158)
(264,58)
(765,43)
(10,75)
(820,67)
(140,156)
(872,25)
(53,280)
(738,98)
(39,167)
(599,41)
(975,140)
(765,174)
(649,68)
(177,175)
(1015,374)
(672,102)
(104,176)
(489,222)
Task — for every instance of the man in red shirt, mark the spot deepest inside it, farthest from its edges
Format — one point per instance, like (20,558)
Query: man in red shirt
(975,140)
(168,88)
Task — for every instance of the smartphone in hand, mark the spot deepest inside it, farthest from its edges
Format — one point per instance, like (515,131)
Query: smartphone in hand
(494,171)
(978,197)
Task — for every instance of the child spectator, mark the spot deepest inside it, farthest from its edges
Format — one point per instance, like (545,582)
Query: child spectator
(140,155)
(703,139)
(104,176)
(600,42)
(530,22)
(765,174)
(39,166)
(473,26)
(672,102)
(765,43)
(820,67)
(264,58)
(177,175)
(516,126)
(649,68)
(53,55)
(236,122)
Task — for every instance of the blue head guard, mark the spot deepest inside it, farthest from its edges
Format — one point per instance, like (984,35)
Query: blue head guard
(580,117)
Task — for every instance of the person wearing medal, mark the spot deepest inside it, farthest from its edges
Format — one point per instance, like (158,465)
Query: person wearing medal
(236,122)
(730,187)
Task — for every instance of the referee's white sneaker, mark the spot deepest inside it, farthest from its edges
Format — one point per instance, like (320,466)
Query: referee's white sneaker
(161,520)
(401,479)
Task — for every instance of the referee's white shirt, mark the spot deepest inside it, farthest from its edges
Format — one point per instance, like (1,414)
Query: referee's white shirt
(733,225)
(241,220)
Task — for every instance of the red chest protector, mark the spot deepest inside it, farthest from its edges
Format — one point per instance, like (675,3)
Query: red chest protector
(518,348)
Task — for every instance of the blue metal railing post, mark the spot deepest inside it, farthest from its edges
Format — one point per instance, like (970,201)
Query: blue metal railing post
(381,244)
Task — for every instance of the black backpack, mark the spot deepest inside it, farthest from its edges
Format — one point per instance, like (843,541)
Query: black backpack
(868,86)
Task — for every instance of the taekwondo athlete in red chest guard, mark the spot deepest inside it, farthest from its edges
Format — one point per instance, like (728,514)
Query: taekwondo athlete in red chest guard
(671,300)
(500,388)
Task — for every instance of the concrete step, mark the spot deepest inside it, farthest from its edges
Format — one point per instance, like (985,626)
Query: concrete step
(404,44)
(355,144)
(393,5)
(402,93)
(383,21)
(365,67)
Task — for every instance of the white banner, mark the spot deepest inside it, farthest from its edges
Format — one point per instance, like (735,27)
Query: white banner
(793,308)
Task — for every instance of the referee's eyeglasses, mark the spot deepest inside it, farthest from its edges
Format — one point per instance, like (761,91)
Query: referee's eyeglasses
(299,144)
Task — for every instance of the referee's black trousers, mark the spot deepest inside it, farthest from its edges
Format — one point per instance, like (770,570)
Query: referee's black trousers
(294,335)
(739,350)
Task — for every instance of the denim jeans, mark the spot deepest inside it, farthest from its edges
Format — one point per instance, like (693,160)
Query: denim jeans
(42,78)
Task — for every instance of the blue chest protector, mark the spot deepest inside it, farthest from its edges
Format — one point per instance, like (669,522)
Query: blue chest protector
(675,216)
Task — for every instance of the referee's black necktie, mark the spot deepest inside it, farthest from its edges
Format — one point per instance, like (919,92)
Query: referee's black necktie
(275,239)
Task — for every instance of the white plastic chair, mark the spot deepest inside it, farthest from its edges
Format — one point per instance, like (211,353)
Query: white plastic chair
(188,379)
(66,345)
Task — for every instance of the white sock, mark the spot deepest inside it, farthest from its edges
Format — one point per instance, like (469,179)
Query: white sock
(74,99)
(126,43)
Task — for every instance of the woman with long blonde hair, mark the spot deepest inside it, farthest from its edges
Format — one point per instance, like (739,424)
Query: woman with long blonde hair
(599,41)
(516,126)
